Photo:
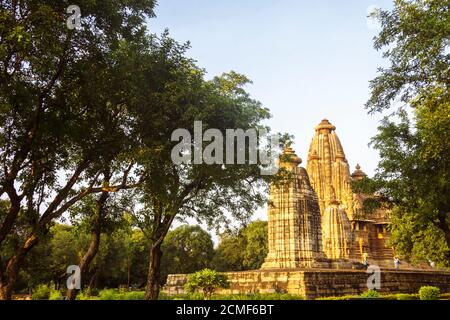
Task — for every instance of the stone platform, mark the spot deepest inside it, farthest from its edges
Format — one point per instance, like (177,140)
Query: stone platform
(314,283)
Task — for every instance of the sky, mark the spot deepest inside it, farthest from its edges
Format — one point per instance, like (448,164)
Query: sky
(308,60)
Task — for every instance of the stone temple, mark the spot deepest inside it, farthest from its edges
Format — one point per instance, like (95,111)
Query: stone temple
(319,234)
(315,220)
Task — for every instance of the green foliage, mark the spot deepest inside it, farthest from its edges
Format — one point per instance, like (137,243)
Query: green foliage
(134,295)
(406,296)
(41,292)
(187,249)
(55,295)
(429,293)
(250,296)
(206,280)
(63,110)
(348,297)
(413,176)
(415,36)
(84,295)
(245,249)
(109,294)
(258,296)
(115,294)
(370,294)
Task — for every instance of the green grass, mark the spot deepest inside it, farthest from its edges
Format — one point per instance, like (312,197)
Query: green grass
(254,296)
(115,294)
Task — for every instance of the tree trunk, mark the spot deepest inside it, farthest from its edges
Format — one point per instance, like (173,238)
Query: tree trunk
(154,276)
(5,293)
(94,244)
(8,276)
(93,280)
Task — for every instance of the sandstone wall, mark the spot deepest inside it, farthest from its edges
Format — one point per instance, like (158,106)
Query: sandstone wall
(315,283)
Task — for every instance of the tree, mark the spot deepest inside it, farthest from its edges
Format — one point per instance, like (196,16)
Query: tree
(245,249)
(229,252)
(256,249)
(415,36)
(61,113)
(208,193)
(187,249)
(208,281)
(414,171)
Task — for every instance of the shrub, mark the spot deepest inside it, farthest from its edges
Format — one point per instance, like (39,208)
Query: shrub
(370,294)
(55,295)
(109,294)
(207,280)
(84,295)
(41,292)
(429,293)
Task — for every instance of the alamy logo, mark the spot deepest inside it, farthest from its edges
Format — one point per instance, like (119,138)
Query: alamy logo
(260,151)
(74,20)
(74,280)
(374,280)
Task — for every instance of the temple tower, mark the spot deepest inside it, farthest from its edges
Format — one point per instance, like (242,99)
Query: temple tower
(295,234)
(336,231)
(328,169)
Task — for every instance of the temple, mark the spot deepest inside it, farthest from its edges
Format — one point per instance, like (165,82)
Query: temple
(315,219)
(319,234)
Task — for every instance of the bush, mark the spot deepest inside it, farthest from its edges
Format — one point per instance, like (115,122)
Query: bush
(208,281)
(429,293)
(109,294)
(370,294)
(41,292)
(55,295)
(84,295)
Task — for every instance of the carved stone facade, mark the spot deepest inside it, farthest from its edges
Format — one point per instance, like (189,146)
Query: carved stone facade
(295,236)
(347,232)
(315,220)
(316,226)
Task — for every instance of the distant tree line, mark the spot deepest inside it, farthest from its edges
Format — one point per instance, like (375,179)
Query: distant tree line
(122,261)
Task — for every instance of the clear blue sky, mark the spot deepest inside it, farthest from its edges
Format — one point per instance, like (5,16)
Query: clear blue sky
(308,60)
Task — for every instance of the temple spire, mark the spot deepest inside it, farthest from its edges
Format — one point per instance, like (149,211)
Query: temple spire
(328,166)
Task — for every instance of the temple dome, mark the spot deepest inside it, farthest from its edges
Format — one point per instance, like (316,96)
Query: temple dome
(288,158)
(358,174)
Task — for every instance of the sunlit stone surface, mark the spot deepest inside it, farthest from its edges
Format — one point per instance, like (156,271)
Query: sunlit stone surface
(319,234)
(295,236)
